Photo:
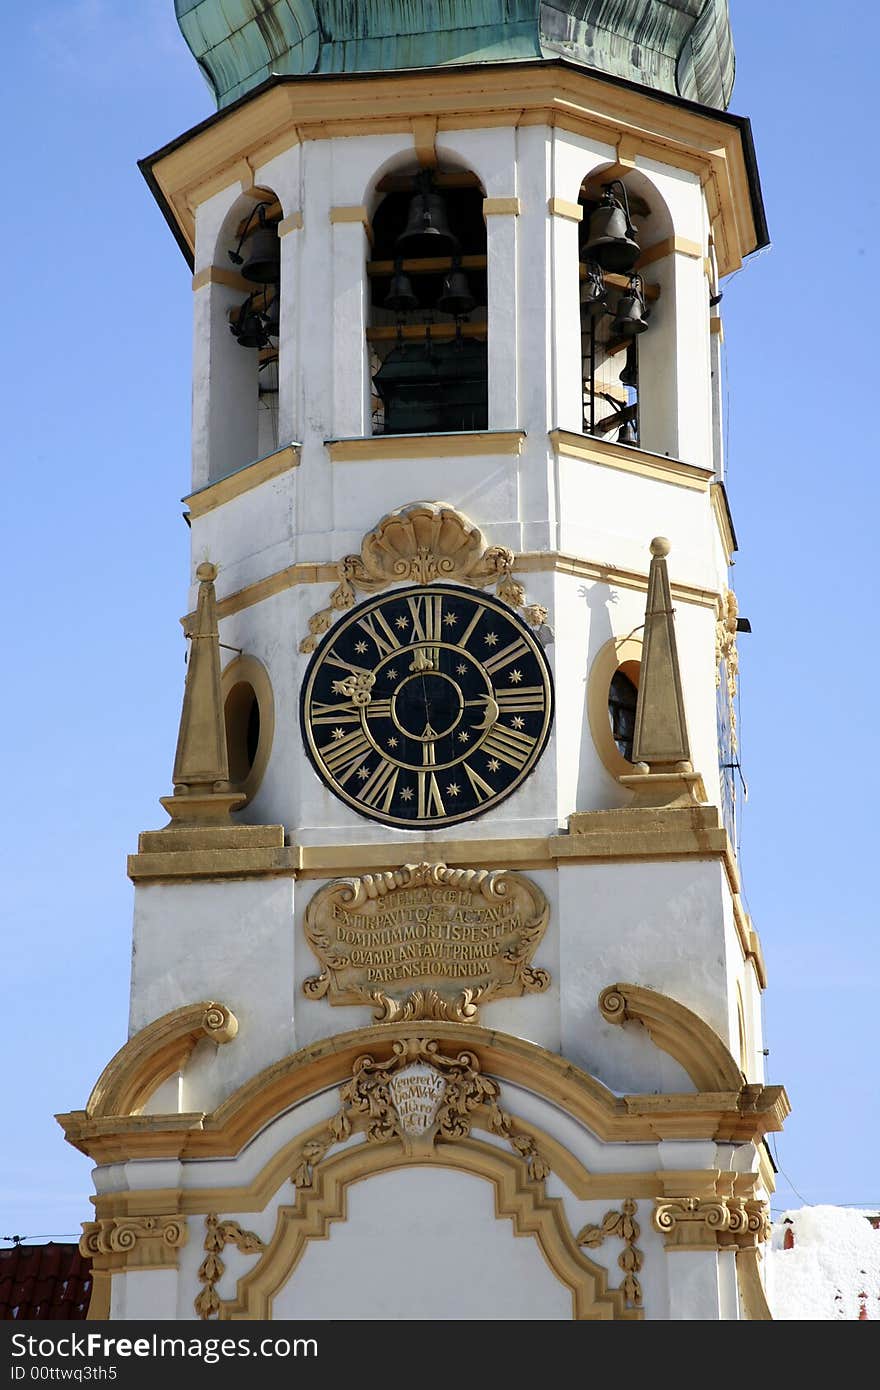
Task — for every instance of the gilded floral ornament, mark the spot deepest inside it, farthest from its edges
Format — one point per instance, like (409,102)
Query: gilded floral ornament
(418,1097)
(421,543)
(426,941)
(622,1225)
(219,1234)
(727,656)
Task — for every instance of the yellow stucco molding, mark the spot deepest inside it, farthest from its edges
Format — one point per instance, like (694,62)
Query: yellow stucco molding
(561,207)
(134,1242)
(751,1289)
(528,561)
(242,480)
(689,1222)
(354,213)
(677,1030)
(384,447)
(292,223)
(155,1053)
(630,460)
(723,519)
(219,275)
(636,123)
(501,207)
(671,245)
(424,134)
(524,1203)
(743,1113)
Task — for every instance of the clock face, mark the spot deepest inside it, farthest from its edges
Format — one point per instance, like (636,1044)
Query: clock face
(427,706)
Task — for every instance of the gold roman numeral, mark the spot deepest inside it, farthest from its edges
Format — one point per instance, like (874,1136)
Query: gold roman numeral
(430,800)
(426,612)
(382,784)
(510,745)
(515,652)
(341,758)
(346,713)
(378,709)
(334,659)
(469,630)
(386,641)
(481,788)
(521,699)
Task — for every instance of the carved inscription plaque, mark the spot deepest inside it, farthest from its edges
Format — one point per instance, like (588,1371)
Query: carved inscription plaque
(426,941)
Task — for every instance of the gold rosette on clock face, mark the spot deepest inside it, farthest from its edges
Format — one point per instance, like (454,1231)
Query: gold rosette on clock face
(427,706)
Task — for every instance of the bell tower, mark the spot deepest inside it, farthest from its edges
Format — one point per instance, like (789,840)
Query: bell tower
(445,926)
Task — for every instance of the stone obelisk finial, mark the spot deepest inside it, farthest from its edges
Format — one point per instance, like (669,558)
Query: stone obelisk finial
(663,772)
(202,794)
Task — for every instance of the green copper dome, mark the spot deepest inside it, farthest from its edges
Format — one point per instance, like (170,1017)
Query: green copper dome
(678,46)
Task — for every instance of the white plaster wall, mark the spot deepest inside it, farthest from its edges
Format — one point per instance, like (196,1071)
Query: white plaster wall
(229,941)
(423,1243)
(660,925)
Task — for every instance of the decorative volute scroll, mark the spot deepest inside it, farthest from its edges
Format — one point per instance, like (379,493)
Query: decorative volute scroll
(134,1242)
(426,941)
(155,1053)
(421,543)
(710,1223)
(202,792)
(664,773)
(677,1030)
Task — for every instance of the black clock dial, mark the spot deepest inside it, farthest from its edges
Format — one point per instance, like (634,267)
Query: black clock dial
(427,706)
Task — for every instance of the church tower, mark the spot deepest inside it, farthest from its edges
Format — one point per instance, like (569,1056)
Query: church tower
(440,964)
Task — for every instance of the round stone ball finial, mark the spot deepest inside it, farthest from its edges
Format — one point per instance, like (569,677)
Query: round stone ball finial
(660,546)
(206,572)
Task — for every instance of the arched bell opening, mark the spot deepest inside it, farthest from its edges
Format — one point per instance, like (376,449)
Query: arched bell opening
(615,306)
(427,334)
(245,334)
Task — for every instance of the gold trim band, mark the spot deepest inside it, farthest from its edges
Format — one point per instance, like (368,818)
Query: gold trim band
(631,460)
(499,207)
(561,207)
(242,480)
(420,446)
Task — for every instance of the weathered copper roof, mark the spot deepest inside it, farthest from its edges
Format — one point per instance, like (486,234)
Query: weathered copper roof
(44,1281)
(682,47)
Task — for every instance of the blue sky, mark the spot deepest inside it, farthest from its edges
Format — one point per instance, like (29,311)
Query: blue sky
(95,375)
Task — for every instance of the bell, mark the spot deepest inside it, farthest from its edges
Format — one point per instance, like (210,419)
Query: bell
(630,374)
(593,292)
(427,231)
(263,262)
(610,236)
(400,296)
(627,433)
(271,316)
(248,328)
(631,316)
(456,297)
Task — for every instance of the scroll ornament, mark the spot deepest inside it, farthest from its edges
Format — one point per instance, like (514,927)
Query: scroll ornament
(701,1223)
(219,1234)
(133,1242)
(418,1097)
(422,543)
(460,936)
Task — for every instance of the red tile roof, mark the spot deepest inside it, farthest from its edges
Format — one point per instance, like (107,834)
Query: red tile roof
(44,1281)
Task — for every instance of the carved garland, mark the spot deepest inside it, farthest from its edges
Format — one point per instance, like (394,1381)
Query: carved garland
(419,544)
(218,1235)
(726,653)
(624,1226)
